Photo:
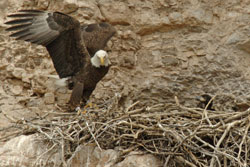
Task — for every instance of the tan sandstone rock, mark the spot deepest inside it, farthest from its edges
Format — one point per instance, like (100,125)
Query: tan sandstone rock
(162,49)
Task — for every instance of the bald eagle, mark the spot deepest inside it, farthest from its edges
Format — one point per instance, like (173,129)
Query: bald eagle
(76,50)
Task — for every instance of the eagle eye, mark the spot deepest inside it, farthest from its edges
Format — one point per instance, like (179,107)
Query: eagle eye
(104,25)
(90,28)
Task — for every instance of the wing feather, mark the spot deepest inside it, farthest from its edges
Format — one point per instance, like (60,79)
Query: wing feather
(18,27)
(19,21)
(59,33)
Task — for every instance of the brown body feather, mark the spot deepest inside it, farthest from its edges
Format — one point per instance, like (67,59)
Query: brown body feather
(69,44)
(89,78)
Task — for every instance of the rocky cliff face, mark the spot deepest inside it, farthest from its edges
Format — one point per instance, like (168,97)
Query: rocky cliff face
(162,49)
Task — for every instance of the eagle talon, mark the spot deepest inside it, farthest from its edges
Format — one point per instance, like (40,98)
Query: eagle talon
(79,111)
(91,105)
(88,105)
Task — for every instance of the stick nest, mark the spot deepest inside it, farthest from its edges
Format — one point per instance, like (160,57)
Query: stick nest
(177,134)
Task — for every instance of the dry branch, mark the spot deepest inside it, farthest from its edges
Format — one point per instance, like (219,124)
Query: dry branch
(196,137)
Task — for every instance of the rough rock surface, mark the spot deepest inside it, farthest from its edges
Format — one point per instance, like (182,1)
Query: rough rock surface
(30,151)
(27,151)
(163,49)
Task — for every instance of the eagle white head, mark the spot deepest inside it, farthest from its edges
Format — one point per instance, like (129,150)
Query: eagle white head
(100,59)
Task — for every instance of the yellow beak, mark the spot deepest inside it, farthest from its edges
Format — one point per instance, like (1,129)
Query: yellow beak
(102,61)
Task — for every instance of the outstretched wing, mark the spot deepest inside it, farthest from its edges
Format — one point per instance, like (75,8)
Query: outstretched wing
(59,33)
(96,36)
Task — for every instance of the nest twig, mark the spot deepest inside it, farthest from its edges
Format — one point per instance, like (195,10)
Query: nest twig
(194,136)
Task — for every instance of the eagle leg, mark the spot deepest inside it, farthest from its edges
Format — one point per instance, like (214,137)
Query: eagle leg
(76,96)
(85,97)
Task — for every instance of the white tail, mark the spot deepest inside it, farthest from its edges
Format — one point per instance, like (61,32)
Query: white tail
(62,82)
(59,82)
